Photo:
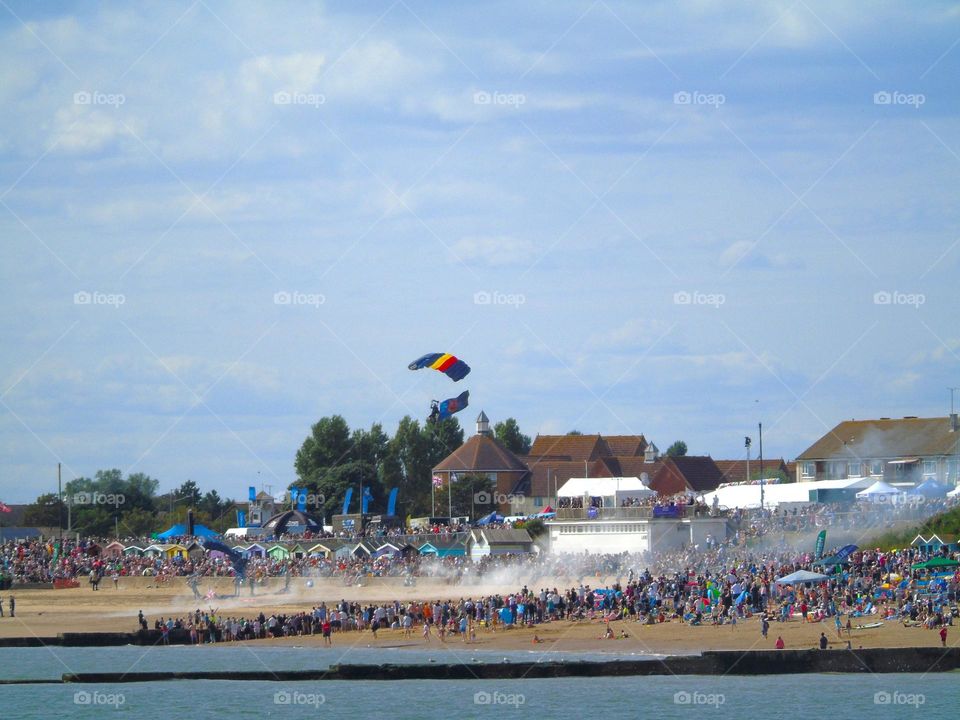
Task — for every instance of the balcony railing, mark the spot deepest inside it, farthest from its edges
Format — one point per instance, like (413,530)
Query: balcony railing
(633,513)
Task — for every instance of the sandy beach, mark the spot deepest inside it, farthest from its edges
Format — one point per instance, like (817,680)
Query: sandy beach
(46,613)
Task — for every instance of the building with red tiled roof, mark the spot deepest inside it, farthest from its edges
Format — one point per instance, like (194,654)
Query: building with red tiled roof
(572,447)
(483,454)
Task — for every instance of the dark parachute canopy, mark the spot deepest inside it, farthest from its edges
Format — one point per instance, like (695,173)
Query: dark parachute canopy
(450,365)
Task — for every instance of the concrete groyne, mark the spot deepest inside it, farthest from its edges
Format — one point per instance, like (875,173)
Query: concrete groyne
(730,662)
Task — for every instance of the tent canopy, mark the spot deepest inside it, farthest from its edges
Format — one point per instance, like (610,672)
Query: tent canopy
(936,563)
(493,517)
(879,489)
(611,489)
(801,576)
(929,488)
(180,529)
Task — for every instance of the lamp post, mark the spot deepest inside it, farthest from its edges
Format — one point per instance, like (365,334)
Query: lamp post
(746,444)
(760,427)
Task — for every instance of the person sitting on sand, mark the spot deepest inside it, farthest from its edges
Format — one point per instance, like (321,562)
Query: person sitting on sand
(780,644)
(608,635)
(623,634)
(536,639)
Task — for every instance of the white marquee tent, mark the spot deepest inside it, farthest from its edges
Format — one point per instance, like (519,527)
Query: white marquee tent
(879,492)
(612,490)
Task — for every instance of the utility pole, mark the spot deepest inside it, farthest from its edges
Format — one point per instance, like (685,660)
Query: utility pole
(956,443)
(746,444)
(760,426)
(60,504)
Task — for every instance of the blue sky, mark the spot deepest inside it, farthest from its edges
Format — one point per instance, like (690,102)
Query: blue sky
(676,219)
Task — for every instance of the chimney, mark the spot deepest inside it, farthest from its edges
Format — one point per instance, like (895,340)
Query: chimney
(483,424)
(954,424)
(651,454)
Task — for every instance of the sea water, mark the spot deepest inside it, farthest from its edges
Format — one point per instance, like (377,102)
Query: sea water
(933,697)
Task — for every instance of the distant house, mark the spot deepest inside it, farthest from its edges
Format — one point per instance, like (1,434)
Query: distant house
(898,452)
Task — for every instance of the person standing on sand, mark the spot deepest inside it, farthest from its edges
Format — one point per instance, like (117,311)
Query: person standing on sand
(780,644)
(764,626)
(823,641)
(943,636)
(1,606)
(325,629)
(13,605)
(836,621)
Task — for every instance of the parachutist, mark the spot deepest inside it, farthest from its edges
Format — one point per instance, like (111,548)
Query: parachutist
(434,412)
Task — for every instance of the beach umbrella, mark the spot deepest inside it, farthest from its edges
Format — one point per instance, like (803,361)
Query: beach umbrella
(801,576)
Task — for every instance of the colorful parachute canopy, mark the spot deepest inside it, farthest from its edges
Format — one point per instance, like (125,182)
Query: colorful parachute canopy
(451,405)
(453,367)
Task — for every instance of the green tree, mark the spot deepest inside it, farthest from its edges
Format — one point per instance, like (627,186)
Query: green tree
(508,433)
(574,432)
(45,511)
(212,504)
(678,449)
(189,494)
(409,452)
(138,522)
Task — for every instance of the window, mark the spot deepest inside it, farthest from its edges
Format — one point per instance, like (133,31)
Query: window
(929,467)
(809,469)
(876,467)
(853,469)
(538,502)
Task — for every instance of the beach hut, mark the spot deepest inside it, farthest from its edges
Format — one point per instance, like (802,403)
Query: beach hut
(254,550)
(131,550)
(153,550)
(113,550)
(388,549)
(344,552)
(324,550)
(443,548)
(174,551)
(500,541)
(936,543)
(278,552)
(298,551)
(196,551)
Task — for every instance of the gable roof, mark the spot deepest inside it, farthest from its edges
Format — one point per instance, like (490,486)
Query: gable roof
(861,439)
(503,536)
(481,453)
(548,475)
(699,471)
(626,445)
(736,470)
(573,447)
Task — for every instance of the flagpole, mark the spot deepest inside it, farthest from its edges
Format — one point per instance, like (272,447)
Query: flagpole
(449,498)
